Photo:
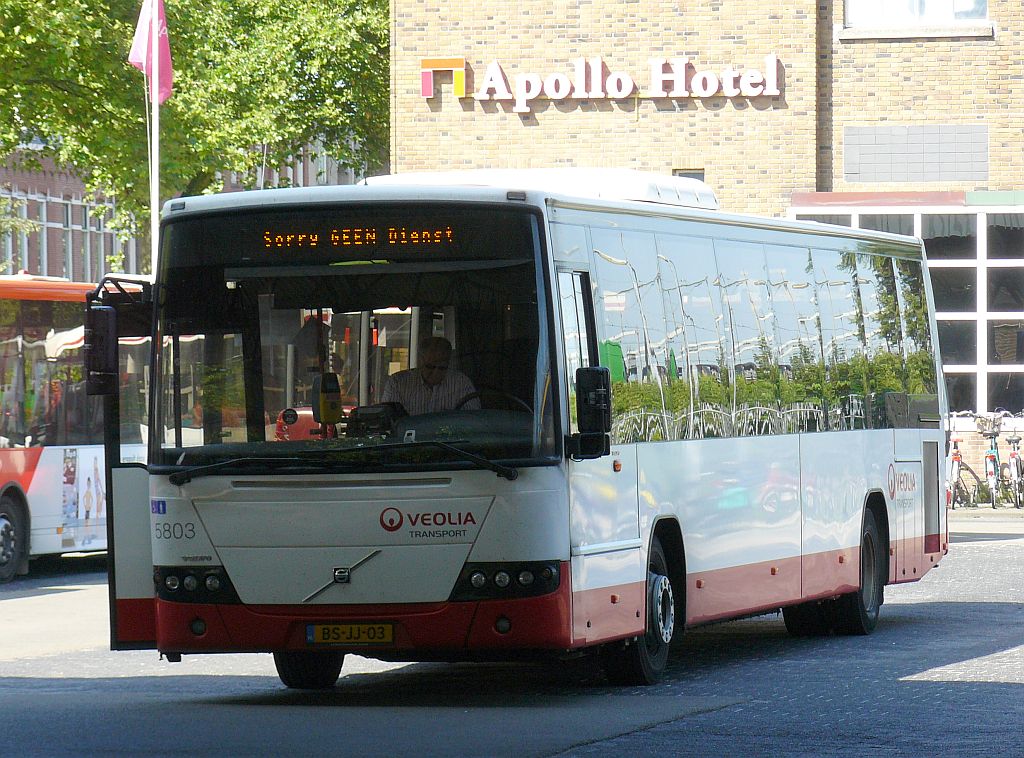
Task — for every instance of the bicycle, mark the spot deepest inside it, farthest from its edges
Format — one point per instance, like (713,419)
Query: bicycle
(1016,471)
(989,425)
(962,484)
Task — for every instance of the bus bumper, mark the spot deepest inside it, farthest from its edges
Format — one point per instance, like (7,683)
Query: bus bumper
(543,622)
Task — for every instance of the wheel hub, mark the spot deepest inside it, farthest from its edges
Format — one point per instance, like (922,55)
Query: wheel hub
(662,608)
(6,541)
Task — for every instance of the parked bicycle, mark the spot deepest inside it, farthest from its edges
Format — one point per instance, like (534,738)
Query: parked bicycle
(989,425)
(962,484)
(1015,468)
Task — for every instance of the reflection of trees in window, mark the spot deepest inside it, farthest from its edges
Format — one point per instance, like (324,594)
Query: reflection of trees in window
(632,308)
(757,339)
(921,377)
(841,330)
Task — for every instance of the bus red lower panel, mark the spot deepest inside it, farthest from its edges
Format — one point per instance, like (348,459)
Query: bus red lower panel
(533,623)
(135,621)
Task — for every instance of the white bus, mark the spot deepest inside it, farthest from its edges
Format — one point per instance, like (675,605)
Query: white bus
(677,416)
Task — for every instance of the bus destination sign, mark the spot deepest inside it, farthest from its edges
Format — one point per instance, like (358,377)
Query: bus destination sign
(359,236)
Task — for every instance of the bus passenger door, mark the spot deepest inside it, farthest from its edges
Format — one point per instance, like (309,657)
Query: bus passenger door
(117,331)
(607,571)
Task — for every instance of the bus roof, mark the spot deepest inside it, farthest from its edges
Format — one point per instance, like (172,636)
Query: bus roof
(612,190)
(609,185)
(597,183)
(30,287)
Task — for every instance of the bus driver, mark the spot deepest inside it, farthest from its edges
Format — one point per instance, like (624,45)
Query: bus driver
(432,385)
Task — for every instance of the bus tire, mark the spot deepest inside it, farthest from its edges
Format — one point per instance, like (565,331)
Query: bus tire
(13,538)
(857,612)
(643,660)
(807,619)
(309,670)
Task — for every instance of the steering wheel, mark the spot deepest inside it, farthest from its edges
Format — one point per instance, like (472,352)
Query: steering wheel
(489,391)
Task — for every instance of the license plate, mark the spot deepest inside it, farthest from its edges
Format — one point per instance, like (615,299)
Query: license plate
(350,634)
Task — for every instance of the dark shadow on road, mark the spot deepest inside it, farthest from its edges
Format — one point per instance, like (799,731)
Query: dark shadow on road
(50,574)
(750,659)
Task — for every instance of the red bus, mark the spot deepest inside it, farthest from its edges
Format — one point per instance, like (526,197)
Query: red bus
(52,488)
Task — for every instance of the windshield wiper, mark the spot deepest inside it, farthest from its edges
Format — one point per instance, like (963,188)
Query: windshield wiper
(506,472)
(184,477)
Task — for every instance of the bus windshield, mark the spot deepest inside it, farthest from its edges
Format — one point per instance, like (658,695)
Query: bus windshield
(423,321)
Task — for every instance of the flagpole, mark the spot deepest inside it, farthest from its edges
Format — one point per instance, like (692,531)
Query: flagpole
(154,166)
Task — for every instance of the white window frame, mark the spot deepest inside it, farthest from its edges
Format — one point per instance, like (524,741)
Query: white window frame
(901,19)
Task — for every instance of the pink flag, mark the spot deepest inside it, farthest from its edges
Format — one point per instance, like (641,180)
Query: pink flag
(141,56)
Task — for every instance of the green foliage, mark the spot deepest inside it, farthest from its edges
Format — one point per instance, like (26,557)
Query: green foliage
(10,221)
(250,76)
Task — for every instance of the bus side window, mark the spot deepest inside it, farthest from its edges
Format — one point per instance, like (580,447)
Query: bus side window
(698,393)
(634,343)
(573,287)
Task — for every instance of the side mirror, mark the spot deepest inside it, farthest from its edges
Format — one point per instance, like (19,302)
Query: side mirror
(327,399)
(100,349)
(594,400)
(593,414)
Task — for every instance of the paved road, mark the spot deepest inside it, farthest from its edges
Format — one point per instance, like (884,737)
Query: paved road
(943,674)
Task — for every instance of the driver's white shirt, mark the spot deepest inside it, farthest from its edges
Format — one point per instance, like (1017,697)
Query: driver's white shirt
(416,396)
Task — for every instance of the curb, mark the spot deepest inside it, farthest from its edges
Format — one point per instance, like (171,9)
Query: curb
(983,513)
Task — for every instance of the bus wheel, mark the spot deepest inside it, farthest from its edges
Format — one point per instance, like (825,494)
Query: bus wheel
(309,671)
(13,540)
(857,612)
(643,660)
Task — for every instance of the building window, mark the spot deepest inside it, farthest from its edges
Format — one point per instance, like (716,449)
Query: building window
(835,220)
(689,173)
(920,13)
(950,236)
(976,263)
(1005,235)
(958,341)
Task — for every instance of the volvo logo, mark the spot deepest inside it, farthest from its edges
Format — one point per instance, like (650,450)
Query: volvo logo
(341,575)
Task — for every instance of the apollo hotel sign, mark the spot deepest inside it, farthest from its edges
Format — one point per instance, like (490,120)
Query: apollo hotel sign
(672,78)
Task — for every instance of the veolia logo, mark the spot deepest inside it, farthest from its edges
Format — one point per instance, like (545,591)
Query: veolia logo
(391,519)
(900,481)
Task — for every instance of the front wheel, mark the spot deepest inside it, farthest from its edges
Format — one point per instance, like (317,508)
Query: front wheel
(857,612)
(309,670)
(13,538)
(643,660)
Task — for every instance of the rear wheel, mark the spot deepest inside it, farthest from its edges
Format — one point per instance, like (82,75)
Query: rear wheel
(643,660)
(13,537)
(857,612)
(309,671)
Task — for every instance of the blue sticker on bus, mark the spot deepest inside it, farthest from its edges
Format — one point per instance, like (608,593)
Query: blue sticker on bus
(158,506)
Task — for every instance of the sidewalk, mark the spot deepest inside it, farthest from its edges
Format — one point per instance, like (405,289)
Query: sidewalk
(986,519)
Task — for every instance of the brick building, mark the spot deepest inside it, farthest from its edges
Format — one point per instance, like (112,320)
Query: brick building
(904,117)
(72,238)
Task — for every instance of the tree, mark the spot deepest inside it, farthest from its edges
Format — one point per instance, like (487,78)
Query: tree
(11,222)
(255,81)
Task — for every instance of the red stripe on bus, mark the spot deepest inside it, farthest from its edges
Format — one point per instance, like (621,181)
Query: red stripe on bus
(136,619)
(538,622)
(608,613)
(19,465)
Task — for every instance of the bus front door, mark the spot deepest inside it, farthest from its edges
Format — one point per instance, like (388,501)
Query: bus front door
(118,325)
